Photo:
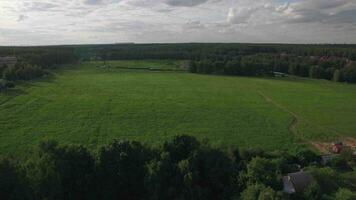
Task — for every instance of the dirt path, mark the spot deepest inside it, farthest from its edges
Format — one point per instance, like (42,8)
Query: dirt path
(292,127)
(322,147)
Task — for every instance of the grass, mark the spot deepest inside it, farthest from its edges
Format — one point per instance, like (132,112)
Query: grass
(88,105)
(144,64)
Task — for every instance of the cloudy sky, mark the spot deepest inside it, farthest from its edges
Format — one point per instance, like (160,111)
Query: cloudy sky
(48,22)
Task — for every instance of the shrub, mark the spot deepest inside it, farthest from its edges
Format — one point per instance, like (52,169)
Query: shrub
(62,172)
(263,171)
(122,170)
(12,181)
(345,194)
(349,73)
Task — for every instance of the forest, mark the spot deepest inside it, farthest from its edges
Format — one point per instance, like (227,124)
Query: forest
(331,62)
(181,168)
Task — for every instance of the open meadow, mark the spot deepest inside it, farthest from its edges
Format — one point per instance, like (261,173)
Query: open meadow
(91,104)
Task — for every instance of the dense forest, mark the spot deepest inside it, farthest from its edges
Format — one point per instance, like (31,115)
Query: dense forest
(331,62)
(182,168)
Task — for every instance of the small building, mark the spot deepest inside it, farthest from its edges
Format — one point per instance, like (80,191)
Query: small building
(296,182)
(8,60)
(325,159)
(337,147)
(279,74)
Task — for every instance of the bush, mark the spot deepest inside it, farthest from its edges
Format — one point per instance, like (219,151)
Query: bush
(122,170)
(182,168)
(12,181)
(260,192)
(264,171)
(22,72)
(349,73)
(345,194)
(62,172)
(340,163)
(4,84)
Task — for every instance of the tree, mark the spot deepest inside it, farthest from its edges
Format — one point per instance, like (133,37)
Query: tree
(12,181)
(208,174)
(252,192)
(181,147)
(312,192)
(349,73)
(122,170)
(263,171)
(345,194)
(337,76)
(316,72)
(10,73)
(260,192)
(62,172)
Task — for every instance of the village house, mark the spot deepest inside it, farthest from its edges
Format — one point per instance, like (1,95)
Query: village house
(296,182)
(327,158)
(279,74)
(8,60)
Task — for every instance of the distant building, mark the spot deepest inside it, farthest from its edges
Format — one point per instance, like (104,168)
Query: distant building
(9,60)
(325,159)
(279,74)
(296,182)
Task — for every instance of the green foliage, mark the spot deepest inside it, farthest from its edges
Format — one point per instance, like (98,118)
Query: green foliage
(327,178)
(345,194)
(349,73)
(13,185)
(122,170)
(129,170)
(337,76)
(260,192)
(62,172)
(5,84)
(22,72)
(316,72)
(312,192)
(264,171)
(181,147)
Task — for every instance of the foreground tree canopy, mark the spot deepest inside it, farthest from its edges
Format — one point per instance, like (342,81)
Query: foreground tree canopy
(182,168)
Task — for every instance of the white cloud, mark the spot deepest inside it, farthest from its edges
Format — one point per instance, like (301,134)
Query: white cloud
(107,21)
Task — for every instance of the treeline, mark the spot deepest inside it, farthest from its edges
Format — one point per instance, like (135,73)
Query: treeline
(46,57)
(200,51)
(330,68)
(182,168)
(332,62)
(33,62)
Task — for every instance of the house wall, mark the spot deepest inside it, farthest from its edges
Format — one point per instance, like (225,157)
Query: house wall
(288,185)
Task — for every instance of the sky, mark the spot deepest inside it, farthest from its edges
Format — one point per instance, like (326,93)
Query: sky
(52,22)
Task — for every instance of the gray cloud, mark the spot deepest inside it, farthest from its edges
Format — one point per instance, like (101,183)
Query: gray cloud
(323,11)
(99,2)
(240,16)
(187,3)
(21,18)
(105,21)
(93,2)
(40,6)
(323,4)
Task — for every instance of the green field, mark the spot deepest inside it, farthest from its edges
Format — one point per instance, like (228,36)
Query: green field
(91,105)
